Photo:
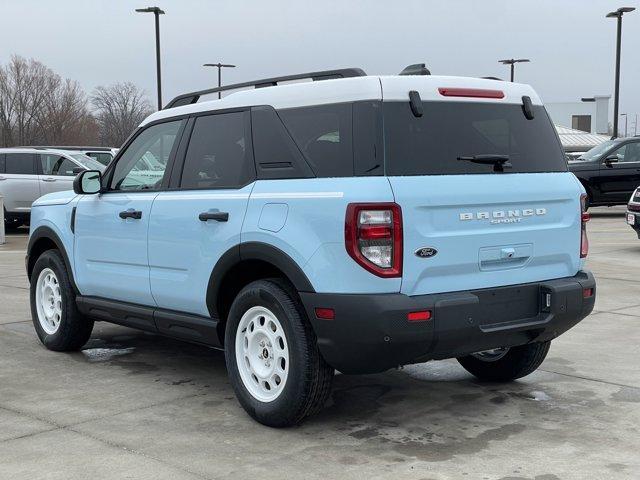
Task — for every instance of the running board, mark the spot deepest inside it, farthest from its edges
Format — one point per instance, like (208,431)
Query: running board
(182,326)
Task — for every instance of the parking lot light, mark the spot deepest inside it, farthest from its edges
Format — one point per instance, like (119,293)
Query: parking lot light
(157,12)
(220,67)
(616,100)
(512,61)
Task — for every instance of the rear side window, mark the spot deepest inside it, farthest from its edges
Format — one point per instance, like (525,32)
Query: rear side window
(324,135)
(57,165)
(276,154)
(219,152)
(19,164)
(2,167)
(432,144)
(103,158)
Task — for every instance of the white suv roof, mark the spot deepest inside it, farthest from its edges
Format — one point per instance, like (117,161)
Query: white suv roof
(393,88)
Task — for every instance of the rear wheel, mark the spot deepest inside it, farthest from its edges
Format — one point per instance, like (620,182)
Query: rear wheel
(505,364)
(273,361)
(58,323)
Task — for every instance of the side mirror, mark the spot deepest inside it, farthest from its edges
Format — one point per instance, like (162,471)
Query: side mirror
(88,182)
(611,159)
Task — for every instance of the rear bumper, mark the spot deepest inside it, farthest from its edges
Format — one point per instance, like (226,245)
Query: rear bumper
(371,333)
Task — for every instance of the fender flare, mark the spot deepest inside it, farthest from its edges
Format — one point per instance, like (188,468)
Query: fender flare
(48,233)
(255,251)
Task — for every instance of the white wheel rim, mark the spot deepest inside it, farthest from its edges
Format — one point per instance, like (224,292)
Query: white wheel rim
(262,354)
(48,301)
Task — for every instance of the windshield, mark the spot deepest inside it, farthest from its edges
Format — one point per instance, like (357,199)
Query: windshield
(597,150)
(88,162)
(449,132)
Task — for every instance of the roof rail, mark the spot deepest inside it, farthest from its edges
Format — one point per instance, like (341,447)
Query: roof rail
(65,147)
(193,97)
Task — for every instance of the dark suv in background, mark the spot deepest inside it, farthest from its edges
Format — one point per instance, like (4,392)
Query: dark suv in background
(610,172)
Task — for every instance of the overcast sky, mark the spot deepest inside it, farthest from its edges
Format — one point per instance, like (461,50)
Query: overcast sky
(570,43)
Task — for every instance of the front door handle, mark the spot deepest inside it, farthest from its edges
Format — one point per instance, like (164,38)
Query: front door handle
(2,178)
(217,216)
(131,213)
(49,179)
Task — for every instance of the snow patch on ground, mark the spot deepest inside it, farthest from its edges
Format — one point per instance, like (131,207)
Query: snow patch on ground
(105,354)
(539,396)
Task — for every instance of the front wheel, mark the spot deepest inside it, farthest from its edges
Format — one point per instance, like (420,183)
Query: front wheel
(273,361)
(506,364)
(58,323)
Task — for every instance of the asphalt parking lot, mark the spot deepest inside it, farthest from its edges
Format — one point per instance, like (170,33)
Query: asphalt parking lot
(135,405)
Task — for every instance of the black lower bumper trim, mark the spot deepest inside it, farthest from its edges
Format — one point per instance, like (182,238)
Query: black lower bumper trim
(371,333)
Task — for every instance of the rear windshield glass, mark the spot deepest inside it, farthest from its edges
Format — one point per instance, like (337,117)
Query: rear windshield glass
(432,144)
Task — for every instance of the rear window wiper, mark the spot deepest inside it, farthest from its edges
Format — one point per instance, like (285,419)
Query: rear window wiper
(499,162)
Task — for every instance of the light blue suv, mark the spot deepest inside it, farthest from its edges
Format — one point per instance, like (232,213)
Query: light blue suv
(353,223)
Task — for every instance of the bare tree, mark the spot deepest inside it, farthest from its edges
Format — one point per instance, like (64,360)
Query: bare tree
(119,110)
(37,106)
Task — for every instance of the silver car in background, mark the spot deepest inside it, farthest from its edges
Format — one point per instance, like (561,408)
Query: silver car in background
(28,173)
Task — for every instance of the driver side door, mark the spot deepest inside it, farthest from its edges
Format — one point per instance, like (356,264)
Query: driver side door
(111,258)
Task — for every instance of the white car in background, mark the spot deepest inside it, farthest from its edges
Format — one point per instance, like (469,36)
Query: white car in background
(28,173)
(104,155)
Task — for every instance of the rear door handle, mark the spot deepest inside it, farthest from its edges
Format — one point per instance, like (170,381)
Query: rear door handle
(3,178)
(217,216)
(49,179)
(131,213)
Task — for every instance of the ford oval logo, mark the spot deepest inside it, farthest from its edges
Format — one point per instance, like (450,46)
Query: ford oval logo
(426,252)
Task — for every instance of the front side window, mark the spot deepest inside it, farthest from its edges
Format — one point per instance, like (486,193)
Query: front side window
(153,146)
(219,153)
(19,164)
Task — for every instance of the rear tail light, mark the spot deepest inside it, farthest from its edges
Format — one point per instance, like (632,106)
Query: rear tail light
(584,218)
(373,237)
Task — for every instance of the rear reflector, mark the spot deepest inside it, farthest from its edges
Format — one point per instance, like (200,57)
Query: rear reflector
(584,218)
(470,92)
(419,316)
(587,292)
(325,313)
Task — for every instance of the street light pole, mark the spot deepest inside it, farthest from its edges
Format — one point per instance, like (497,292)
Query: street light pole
(511,62)
(157,12)
(616,97)
(626,121)
(220,67)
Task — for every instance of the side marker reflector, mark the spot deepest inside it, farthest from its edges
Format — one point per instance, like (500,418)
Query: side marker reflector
(325,313)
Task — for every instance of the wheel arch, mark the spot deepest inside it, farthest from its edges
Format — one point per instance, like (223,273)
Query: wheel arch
(243,264)
(42,239)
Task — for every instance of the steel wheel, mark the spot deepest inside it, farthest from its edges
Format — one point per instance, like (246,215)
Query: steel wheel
(48,301)
(492,355)
(262,354)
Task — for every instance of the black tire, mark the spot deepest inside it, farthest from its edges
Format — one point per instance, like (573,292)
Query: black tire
(308,384)
(11,224)
(516,363)
(74,329)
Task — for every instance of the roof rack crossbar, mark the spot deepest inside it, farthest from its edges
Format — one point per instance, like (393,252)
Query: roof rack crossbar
(193,97)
